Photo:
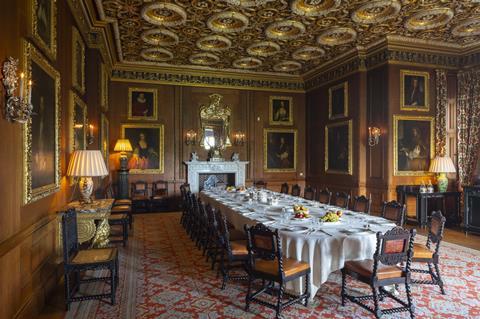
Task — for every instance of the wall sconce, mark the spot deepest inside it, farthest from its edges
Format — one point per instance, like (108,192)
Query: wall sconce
(373,135)
(19,107)
(191,137)
(239,139)
(90,136)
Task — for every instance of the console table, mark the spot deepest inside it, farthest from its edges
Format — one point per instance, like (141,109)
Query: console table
(472,208)
(426,203)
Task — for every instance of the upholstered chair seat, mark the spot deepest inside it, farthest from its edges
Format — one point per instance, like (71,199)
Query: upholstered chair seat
(421,251)
(365,269)
(239,247)
(291,267)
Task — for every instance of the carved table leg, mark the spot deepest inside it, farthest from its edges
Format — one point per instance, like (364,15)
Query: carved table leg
(85,229)
(101,236)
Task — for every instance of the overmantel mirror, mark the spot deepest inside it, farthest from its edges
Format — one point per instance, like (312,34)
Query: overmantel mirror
(215,123)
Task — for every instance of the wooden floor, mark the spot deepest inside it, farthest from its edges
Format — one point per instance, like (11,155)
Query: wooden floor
(55,308)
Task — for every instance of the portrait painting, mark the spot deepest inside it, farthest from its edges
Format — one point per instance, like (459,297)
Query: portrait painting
(338,148)
(105,138)
(78,61)
(281,110)
(78,123)
(414,90)
(280,150)
(147,144)
(44,26)
(41,134)
(142,104)
(338,101)
(413,144)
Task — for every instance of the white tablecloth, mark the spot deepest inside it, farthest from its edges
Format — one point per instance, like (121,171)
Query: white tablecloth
(326,248)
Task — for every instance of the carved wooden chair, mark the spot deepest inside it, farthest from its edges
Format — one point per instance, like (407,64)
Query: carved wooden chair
(159,198)
(120,215)
(184,189)
(260,184)
(324,196)
(109,193)
(394,211)
(362,204)
(393,248)
(342,200)
(309,193)
(284,188)
(139,195)
(76,261)
(266,262)
(212,249)
(429,253)
(296,190)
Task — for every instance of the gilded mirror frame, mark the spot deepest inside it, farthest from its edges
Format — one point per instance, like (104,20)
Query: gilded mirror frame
(215,110)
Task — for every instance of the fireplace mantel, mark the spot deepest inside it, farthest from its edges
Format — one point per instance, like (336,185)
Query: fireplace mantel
(195,168)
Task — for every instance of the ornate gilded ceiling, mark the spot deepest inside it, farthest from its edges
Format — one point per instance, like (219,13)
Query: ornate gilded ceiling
(279,36)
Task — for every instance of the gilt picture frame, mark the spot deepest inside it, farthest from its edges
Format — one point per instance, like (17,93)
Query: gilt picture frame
(414,91)
(78,61)
(43,26)
(148,147)
(103,89)
(142,104)
(105,138)
(41,134)
(279,150)
(339,148)
(281,110)
(77,123)
(338,101)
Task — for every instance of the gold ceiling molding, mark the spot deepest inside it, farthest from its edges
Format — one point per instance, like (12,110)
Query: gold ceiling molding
(314,8)
(376,11)
(429,19)
(156,54)
(214,43)
(263,49)
(285,30)
(228,22)
(161,37)
(337,36)
(467,28)
(247,63)
(164,14)
(204,58)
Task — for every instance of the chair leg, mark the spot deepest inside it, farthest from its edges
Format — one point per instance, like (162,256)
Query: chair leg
(279,301)
(113,283)
(439,279)
(67,290)
(411,307)
(344,284)
(224,270)
(378,312)
(307,289)
(249,291)
(125,233)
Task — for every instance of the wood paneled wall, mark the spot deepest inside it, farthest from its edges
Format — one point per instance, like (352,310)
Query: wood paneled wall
(28,264)
(178,111)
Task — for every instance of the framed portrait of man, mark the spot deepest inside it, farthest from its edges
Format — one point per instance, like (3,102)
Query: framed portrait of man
(78,123)
(147,144)
(78,61)
(44,26)
(281,110)
(41,136)
(413,144)
(142,104)
(414,90)
(338,101)
(280,150)
(338,148)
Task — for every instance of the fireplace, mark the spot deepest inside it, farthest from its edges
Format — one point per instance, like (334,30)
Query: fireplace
(209,180)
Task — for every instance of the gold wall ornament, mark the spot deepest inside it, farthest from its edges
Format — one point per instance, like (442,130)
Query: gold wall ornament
(78,61)
(376,11)
(247,63)
(285,30)
(77,123)
(287,66)
(38,180)
(156,54)
(164,14)
(204,58)
(214,43)
(414,90)
(314,8)
(337,36)
(228,22)
(161,37)
(18,107)
(44,26)
(469,27)
(215,117)
(429,19)
(263,48)
(142,104)
(248,3)
(307,53)
(339,148)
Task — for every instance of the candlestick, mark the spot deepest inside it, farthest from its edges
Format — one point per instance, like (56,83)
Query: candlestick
(30,92)
(21,84)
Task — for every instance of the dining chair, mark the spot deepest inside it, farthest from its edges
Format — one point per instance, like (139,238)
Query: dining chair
(109,193)
(139,195)
(362,204)
(390,266)
(428,253)
(260,184)
(324,196)
(184,189)
(296,190)
(284,188)
(266,262)
(394,211)
(342,200)
(159,197)
(120,213)
(309,193)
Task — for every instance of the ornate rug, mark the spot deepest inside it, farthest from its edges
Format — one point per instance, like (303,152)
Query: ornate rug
(163,275)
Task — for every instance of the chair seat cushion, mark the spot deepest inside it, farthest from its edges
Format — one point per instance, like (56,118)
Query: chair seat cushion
(139,197)
(421,251)
(119,202)
(239,247)
(365,269)
(117,217)
(237,234)
(290,266)
(92,256)
(121,209)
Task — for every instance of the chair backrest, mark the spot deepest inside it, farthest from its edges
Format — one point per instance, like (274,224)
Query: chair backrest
(284,188)
(394,247)
(159,188)
(436,225)
(224,234)
(69,234)
(260,184)
(362,204)
(394,211)
(139,188)
(296,190)
(342,200)
(324,196)
(263,243)
(309,193)
(212,221)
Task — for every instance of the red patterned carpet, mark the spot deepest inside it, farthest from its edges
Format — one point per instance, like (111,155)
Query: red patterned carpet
(163,275)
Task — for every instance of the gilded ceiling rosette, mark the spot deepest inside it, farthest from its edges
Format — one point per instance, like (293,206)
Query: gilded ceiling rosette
(204,58)
(429,19)
(247,63)
(161,37)
(467,28)
(164,14)
(337,36)
(228,22)
(214,43)
(263,48)
(285,30)
(376,11)
(248,3)
(156,54)
(314,8)
(287,66)
(308,53)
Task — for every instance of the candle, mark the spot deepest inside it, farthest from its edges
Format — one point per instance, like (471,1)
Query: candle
(30,92)
(91,129)
(21,84)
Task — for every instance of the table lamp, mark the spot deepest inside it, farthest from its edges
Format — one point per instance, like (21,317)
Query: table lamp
(86,164)
(123,146)
(442,165)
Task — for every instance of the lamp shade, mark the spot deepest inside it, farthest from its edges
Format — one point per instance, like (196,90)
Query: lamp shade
(123,145)
(442,164)
(87,164)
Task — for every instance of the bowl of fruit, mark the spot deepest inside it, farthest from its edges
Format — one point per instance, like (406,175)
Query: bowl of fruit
(300,212)
(331,217)
(231,189)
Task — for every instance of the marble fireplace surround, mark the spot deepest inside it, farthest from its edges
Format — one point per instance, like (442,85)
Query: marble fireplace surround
(195,168)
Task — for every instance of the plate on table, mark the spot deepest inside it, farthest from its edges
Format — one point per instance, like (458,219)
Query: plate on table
(382,222)
(294,229)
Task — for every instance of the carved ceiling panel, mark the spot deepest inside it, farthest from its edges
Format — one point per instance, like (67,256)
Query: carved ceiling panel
(277,36)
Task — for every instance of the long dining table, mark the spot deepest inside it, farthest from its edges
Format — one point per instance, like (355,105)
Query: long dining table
(326,246)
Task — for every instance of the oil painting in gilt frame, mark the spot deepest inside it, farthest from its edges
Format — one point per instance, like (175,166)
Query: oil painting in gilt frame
(142,104)
(78,61)
(414,91)
(338,148)
(413,144)
(338,101)
(147,144)
(105,138)
(103,87)
(41,136)
(44,26)
(281,110)
(78,123)
(280,150)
